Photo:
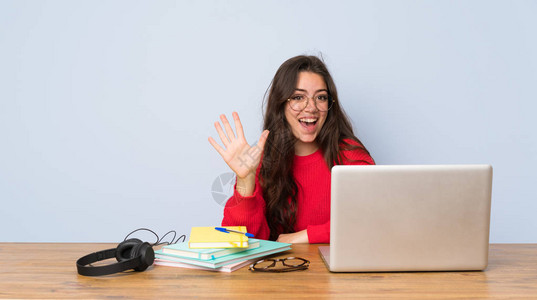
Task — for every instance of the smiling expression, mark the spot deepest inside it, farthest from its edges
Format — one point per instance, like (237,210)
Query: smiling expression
(307,123)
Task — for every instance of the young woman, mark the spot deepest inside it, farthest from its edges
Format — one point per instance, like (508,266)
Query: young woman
(283,182)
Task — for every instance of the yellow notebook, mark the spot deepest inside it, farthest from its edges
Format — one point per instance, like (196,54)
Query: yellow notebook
(208,237)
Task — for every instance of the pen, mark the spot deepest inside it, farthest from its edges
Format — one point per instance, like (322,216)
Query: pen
(222,229)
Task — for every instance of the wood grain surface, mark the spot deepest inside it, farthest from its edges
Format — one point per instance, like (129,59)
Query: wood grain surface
(47,270)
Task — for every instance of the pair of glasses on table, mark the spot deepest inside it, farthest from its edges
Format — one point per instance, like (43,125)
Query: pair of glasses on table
(288,264)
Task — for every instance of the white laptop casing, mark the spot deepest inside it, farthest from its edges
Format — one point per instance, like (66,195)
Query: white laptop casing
(409,218)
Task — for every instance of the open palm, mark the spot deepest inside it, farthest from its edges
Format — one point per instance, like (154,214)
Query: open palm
(242,158)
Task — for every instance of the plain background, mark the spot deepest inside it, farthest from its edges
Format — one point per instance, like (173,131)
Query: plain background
(106,106)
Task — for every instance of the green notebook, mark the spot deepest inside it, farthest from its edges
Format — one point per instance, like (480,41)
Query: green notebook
(265,248)
(183,250)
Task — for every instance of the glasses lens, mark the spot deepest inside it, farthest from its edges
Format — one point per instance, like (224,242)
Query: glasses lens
(324,102)
(294,262)
(298,102)
(264,264)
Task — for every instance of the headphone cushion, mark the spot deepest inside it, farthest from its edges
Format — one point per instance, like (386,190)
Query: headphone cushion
(127,249)
(147,256)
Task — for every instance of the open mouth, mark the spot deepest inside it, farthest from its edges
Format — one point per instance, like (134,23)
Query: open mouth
(308,122)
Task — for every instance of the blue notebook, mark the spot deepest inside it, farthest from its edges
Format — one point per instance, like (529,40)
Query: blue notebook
(183,250)
(265,248)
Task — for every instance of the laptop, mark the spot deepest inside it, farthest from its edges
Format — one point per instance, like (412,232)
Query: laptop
(396,218)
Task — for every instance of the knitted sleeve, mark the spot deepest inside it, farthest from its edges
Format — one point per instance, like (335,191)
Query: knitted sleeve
(357,156)
(247,211)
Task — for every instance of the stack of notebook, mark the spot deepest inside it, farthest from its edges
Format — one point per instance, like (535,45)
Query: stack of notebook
(210,249)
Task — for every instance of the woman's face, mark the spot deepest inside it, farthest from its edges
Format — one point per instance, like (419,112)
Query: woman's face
(307,123)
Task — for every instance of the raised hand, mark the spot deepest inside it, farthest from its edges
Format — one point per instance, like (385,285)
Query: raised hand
(242,158)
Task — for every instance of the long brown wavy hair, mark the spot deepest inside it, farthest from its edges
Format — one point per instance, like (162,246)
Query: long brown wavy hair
(276,176)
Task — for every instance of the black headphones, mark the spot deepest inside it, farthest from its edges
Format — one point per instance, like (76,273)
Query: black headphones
(130,254)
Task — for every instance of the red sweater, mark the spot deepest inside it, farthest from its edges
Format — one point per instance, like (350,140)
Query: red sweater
(313,213)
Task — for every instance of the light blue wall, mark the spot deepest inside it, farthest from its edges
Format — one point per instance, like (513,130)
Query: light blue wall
(106,106)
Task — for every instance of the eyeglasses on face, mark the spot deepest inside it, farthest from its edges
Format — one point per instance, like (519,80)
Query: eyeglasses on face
(323,101)
(289,264)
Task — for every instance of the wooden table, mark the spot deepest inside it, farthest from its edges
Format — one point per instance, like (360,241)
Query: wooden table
(36,270)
